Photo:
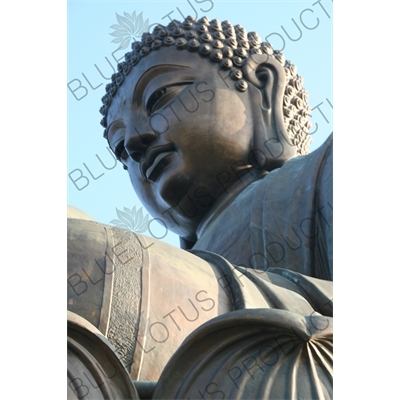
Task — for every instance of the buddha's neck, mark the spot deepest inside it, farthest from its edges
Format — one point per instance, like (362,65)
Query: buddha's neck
(225,200)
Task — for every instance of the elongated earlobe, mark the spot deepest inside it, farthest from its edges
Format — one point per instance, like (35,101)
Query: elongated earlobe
(271,141)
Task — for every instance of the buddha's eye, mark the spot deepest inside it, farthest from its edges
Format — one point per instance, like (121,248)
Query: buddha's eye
(163,96)
(154,98)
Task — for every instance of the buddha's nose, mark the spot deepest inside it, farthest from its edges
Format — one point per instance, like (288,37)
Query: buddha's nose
(137,142)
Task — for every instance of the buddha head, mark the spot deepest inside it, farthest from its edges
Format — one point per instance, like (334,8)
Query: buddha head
(199,109)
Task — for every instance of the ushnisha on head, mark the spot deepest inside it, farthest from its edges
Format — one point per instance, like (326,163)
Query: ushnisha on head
(228,47)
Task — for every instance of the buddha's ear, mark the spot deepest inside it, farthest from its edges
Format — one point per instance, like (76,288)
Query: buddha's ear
(271,138)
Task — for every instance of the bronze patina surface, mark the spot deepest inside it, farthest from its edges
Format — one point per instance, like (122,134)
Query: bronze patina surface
(211,125)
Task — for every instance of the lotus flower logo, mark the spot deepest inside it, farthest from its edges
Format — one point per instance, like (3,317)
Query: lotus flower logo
(129,27)
(131,219)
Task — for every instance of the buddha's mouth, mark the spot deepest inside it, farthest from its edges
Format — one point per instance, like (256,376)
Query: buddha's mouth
(155,161)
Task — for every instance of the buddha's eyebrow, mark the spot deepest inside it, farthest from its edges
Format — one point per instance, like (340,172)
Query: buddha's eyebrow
(149,75)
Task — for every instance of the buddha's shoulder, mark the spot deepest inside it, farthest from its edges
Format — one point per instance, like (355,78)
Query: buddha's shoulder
(303,172)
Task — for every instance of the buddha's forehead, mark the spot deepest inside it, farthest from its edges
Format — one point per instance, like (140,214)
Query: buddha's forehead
(169,60)
(168,55)
(160,68)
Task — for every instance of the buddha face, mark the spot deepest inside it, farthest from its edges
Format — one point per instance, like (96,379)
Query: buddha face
(184,134)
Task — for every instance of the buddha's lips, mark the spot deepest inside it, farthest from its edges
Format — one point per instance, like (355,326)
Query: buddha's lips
(151,156)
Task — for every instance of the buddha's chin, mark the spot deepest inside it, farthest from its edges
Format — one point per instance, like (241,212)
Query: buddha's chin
(173,186)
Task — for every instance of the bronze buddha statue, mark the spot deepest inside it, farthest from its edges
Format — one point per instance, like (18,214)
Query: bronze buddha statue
(211,125)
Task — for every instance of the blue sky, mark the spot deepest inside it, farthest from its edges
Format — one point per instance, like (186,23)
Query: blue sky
(303,29)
